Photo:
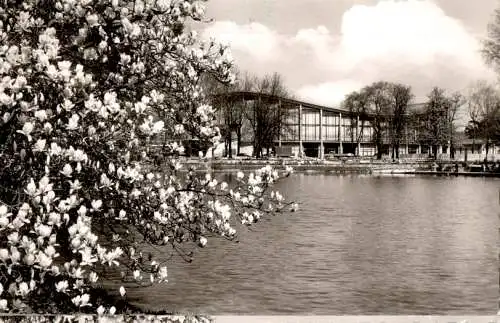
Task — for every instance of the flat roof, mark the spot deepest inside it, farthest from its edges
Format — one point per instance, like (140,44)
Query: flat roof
(250,95)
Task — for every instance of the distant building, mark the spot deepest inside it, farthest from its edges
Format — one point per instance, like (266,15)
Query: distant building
(315,131)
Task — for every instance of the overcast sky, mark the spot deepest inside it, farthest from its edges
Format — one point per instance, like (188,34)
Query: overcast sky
(327,48)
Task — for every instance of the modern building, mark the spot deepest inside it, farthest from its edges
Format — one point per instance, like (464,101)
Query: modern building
(315,130)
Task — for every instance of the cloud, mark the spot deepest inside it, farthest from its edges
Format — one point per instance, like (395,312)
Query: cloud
(253,39)
(414,42)
(413,32)
(327,93)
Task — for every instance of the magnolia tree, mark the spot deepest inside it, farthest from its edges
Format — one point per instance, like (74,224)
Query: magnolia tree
(85,86)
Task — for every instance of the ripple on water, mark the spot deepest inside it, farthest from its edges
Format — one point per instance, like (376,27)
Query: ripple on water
(358,245)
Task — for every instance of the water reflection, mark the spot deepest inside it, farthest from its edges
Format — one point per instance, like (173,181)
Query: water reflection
(359,245)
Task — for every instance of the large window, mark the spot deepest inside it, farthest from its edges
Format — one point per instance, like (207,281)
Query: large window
(290,131)
(330,126)
(310,117)
(310,124)
(367,133)
(345,127)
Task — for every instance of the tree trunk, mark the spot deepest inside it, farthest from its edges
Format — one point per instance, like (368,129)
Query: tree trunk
(230,144)
(379,151)
(487,147)
(397,151)
(225,146)
(238,134)
(255,145)
(257,150)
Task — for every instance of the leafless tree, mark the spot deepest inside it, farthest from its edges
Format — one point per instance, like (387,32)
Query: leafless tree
(484,112)
(385,105)
(400,96)
(267,115)
(457,100)
(357,105)
(230,111)
(436,130)
(491,46)
(245,83)
(379,102)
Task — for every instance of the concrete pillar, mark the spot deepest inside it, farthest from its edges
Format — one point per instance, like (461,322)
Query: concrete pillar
(440,149)
(301,150)
(321,148)
(341,122)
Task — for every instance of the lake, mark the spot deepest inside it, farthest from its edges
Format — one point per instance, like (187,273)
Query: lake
(358,245)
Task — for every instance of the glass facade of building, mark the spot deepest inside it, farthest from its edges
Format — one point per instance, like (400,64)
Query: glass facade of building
(334,126)
(321,130)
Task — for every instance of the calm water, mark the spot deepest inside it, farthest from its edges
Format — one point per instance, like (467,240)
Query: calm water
(359,245)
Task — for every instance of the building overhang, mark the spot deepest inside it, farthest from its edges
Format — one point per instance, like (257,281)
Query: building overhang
(274,99)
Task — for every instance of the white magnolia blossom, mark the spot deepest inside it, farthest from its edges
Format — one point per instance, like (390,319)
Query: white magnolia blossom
(62,286)
(137,275)
(203,241)
(101,310)
(162,274)
(81,300)
(4,211)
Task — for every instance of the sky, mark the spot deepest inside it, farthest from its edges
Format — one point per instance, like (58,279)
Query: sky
(325,49)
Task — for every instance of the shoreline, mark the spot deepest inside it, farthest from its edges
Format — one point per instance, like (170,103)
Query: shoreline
(332,167)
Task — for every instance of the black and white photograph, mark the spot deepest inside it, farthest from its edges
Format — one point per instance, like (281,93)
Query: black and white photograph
(260,160)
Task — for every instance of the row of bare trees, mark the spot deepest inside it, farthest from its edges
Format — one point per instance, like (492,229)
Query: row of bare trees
(437,120)
(263,116)
(484,97)
(484,114)
(384,106)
